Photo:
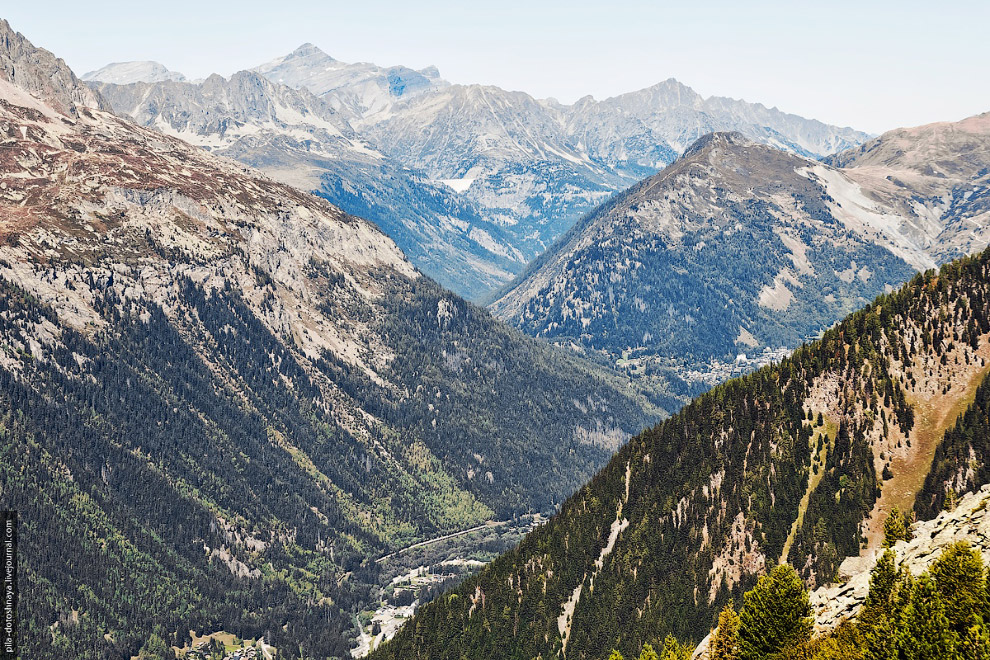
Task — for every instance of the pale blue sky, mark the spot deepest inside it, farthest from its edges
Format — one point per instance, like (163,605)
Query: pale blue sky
(871,65)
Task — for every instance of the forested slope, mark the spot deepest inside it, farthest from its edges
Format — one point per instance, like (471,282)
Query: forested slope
(799,462)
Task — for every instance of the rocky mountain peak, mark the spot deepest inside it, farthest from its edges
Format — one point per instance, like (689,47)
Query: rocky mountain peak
(707,143)
(309,50)
(123,73)
(45,76)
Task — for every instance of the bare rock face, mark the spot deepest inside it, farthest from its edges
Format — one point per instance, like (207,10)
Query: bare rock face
(968,522)
(44,75)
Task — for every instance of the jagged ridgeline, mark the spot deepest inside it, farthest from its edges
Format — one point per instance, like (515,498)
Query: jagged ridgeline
(796,461)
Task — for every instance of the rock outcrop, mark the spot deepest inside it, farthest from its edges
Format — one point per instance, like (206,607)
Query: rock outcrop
(968,521)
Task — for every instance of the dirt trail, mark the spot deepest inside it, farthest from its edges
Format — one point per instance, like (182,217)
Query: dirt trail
(487,525)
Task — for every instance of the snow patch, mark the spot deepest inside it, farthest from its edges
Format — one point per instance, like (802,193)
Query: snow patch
(458,185)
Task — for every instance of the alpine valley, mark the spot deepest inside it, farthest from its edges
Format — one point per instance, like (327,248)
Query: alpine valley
(730,394)
(222,397)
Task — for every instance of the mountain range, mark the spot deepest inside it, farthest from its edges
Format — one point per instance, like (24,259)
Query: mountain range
(503,174)
(224,397)
(232,407)
(739,249)
(299,139)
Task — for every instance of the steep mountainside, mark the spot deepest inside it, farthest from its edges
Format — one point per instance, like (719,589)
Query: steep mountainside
(797,462)
(742,248)
(124,73)
(222,396)
(535,166)
(299,139)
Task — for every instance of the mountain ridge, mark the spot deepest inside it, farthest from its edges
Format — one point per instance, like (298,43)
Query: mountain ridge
(524,170)
(299,139)
(750,247)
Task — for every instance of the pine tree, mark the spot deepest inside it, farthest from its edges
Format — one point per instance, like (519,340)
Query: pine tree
(674,650)
(895,528)
(647,653)
(877,614)
(775,614)
(725,641)
(922,630)
(959,575)
(845,643)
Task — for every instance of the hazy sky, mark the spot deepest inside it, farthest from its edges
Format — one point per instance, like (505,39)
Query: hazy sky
(868,64)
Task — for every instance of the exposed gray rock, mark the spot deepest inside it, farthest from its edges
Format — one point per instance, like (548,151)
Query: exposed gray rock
(42,74)
(123,73)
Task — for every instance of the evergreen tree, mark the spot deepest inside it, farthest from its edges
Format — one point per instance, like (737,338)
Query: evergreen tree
(845,643)
(923,630)
(775,615)
(674,650)
(647,653)
(725,641)
(877,614)
(883,582)
(959,575)
(155,649)
(896,528)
